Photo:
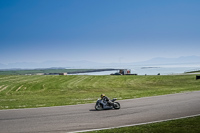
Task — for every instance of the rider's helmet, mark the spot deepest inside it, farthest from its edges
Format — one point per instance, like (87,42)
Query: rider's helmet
(103,95)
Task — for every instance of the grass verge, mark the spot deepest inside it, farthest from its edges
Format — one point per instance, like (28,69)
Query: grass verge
(31,91)
(186,125)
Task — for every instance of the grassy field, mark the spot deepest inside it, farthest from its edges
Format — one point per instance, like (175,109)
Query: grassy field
(197,71)
(30,91)
(35,71)
(186,125)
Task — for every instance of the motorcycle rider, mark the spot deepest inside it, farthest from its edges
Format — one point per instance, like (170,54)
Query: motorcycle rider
(105,98)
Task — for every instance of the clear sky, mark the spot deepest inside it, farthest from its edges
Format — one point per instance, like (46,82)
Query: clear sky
(98,30)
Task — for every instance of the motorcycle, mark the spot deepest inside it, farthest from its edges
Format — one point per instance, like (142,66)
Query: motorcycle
(102,105)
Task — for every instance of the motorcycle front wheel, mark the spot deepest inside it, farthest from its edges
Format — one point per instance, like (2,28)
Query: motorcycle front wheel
(98,107)
(116,105)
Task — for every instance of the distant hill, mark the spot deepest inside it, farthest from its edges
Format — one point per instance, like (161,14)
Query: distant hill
(179,60)
(51,64)
(88,64)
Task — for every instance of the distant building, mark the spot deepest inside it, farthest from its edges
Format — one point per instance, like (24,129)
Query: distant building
(125,71)
(62,73)
(40,73)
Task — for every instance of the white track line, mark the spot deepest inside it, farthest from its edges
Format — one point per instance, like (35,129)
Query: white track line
(136,124)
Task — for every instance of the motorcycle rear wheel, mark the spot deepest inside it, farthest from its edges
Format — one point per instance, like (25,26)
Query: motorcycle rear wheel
(116,105)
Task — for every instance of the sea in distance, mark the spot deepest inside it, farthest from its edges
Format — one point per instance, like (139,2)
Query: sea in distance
(153,69)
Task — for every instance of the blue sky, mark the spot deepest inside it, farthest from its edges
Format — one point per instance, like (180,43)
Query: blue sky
(98,30)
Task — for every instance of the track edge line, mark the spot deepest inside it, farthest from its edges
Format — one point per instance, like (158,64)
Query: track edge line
(135,124)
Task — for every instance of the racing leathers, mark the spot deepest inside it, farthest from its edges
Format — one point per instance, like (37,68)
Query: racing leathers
(107,100)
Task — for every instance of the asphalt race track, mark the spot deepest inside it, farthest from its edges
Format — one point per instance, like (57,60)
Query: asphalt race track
(84,117)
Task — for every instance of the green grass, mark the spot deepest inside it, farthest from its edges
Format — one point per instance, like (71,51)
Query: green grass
(35,71)
(30,91)
(186,125)
(197,71)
